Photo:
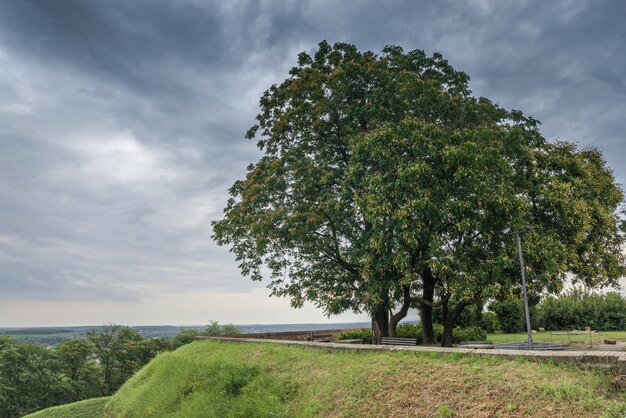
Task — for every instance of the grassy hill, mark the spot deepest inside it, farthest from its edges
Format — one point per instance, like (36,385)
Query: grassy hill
(87,408)
(207,378)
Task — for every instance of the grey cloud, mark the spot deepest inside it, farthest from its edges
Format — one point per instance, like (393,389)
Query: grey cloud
(122,123)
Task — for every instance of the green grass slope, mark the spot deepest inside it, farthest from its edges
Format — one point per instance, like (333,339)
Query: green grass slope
(211,379)
(89,408)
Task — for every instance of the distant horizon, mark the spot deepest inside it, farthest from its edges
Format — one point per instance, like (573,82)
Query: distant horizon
(411,319)
(193,325)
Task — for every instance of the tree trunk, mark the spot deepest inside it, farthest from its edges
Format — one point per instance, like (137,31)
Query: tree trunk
(446,337)
(402,313)
(380,324)
(449,320)
(426,311)
(375,334)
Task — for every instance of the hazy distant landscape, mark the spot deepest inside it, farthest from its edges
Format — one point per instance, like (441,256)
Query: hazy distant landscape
(54,335)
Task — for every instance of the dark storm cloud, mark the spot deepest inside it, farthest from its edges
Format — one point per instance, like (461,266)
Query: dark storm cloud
(120,41)
(122,122)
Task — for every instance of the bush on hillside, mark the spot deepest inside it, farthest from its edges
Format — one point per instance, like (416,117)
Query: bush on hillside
(184,337)
(579,309)
(214,329)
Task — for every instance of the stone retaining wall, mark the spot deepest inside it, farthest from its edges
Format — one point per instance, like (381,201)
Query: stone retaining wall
(290,335)
(612,361)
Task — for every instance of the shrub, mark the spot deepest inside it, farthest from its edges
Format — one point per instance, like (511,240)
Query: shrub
(471,316)
(509,315)
(580,309)
(468,334)
(364,334)
(438,330)
(458,333)
(214,329)
(408,330)
(184,337)
(488,322)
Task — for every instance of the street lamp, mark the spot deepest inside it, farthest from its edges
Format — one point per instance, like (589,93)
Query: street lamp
(521,264)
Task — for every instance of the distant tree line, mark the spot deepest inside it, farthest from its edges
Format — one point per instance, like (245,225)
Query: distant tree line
(33,377)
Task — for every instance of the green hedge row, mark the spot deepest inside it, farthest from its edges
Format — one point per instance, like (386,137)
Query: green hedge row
(574,310)
(580,309)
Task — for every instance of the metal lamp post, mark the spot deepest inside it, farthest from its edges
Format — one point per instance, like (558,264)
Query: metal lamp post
(521,263)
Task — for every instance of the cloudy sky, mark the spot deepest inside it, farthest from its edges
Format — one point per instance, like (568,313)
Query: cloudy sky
(122,124)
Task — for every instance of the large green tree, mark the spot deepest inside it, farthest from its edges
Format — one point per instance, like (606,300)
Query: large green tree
(348,210)
(31,378)
(121,351)
(79,364)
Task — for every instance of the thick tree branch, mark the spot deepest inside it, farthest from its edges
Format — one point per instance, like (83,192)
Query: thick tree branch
(428,303)
(406,304)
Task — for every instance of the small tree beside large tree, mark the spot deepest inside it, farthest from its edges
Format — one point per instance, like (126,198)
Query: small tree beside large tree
(385,184)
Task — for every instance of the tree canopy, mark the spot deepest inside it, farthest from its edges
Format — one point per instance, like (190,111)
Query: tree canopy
(439,201)
(385,184)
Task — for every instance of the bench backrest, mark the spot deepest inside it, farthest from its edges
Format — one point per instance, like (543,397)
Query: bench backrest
(323,338)
(398,341)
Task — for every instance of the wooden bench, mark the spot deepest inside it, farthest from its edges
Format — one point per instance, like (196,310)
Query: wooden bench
(319,338)
(398,341)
